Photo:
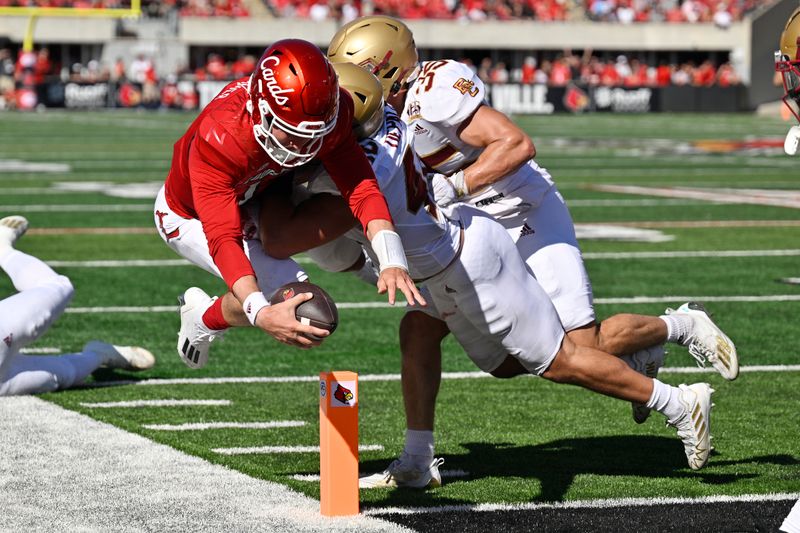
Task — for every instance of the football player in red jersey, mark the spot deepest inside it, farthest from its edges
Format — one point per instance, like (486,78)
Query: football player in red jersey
(288,113)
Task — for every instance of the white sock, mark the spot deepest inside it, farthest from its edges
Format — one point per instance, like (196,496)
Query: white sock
(666,400)
(419,445)
(25,270)
(679,327)
(84,364)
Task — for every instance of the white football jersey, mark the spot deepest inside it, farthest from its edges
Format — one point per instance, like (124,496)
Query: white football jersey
(446,94)
(430,240)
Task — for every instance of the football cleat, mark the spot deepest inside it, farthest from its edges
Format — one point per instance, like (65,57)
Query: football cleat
(694,425)
(12,228)
(194,338)
(646,362)
(121,357)
(706,342)
(405,474)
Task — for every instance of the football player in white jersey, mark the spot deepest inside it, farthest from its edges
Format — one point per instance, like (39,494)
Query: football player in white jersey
(25,316)
(484,291)
(787,62)
(481,158)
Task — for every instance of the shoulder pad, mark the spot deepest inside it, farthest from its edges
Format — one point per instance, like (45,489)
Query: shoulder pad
(448,92)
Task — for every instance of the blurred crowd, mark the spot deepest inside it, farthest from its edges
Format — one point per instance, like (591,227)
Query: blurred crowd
(590,70)
(720,12)
(139,85)
(151,8)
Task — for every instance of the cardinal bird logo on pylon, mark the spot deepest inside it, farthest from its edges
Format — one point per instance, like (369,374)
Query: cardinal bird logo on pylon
(342,394)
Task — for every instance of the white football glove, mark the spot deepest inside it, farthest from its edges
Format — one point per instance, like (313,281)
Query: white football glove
(447,190)
(792,141)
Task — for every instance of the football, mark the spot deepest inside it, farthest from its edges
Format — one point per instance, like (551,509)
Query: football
(320,311)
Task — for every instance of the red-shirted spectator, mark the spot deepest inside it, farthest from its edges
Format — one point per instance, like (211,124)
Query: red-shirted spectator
(609,75)
(560,73)
(663,75)
(704,75)
(528,71)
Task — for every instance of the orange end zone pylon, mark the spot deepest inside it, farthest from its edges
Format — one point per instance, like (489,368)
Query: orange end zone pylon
(338,443)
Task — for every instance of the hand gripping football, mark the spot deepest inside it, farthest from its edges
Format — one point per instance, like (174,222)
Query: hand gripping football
(320,311)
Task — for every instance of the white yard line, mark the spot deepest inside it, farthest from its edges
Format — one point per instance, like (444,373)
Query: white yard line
(136,263)
(154,403)
(74,208)
(72,473)
(718,195)
(396,377)
(42,350)
(639,224)
(287,449)
(226,425)
(581,504)
(385,305)
(314,478)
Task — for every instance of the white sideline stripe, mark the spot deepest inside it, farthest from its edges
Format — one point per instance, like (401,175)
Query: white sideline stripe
(154,403)
(396,377)
(582,504)
(226,425)
(288,449)
(445,474)
(119,263)
(382,305)
(118,481)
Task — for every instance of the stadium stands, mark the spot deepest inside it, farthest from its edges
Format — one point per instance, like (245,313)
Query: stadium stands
(720,12)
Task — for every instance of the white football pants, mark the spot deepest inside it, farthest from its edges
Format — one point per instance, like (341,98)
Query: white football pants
(529,206)
(492,304)
(24,317)
(187,238)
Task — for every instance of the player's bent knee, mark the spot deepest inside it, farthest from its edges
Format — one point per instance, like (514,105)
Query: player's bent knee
(509,368)
(420,332)
(562,369)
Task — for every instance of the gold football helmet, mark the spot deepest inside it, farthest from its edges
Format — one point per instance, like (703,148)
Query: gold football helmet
(367,93)
(383,45)
(787,62)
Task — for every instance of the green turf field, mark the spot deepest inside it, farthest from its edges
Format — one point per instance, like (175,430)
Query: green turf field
(517,440)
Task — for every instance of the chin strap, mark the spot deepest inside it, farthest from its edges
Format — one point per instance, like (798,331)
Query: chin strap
(792,142)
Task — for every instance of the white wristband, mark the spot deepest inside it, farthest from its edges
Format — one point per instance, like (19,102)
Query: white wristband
(253,304)
(389,249)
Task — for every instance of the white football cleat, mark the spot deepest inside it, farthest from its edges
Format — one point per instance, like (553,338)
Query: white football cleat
(194,338)
(405,474)
(122,357)
(11,229)
(646,362)
(706,342)
(694,425)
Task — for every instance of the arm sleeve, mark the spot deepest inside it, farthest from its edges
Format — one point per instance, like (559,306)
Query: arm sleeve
(350,170)
(213,181)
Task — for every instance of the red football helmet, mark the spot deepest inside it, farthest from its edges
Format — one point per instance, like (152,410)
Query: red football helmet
(294,101)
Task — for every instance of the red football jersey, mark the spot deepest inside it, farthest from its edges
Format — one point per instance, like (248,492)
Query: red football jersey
(217,165)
